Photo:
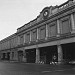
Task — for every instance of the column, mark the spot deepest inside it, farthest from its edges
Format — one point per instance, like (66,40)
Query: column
(11,55)
(60,54)
(37,55)
(72,23)
(58,28)
(18,40)
(24,56)
(30,36)
(37,34)
(24,38)
(1,55)
(16,55)
(46,31)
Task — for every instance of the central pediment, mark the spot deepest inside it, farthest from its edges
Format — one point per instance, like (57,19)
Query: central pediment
(46,12)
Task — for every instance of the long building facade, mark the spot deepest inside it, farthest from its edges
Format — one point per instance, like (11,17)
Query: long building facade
(50,36)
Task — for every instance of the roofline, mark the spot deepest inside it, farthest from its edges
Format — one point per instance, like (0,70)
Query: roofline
(42,10)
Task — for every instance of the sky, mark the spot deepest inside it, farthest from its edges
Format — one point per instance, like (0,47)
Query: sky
(16,13)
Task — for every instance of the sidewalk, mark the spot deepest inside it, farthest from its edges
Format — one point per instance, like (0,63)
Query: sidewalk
(42,66)
(8,61)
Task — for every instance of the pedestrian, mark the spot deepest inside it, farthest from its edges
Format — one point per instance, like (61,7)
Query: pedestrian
(54,59)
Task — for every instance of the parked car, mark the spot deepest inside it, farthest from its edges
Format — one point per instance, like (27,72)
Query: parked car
(72,62)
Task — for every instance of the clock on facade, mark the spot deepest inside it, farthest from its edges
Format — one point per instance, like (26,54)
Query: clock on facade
(46,14)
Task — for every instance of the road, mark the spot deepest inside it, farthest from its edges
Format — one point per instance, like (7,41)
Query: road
(7,68)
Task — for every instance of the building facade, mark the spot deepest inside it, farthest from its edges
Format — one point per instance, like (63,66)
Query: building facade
(50,36)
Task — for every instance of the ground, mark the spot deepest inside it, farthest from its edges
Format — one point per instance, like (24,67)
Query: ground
(11,68)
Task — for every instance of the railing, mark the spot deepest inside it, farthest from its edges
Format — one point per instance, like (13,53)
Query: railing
(62,6)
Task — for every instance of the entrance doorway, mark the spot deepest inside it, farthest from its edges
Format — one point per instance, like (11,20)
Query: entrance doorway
(3,54)
(8,56)
(47,54)
(68,51)
(20,56)
(31,55)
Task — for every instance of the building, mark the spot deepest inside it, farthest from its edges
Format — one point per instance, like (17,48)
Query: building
(51,34)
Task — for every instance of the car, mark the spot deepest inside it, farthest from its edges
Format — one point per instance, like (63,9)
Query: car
(72,62)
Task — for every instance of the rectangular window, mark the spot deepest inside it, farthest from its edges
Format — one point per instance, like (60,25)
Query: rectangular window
(22,39)
(42,32)
(34,35)
(27,37)
(65,25)
(52,30)
(12,43)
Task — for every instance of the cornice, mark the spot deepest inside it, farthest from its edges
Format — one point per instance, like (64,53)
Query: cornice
(49,39)
(60,13)
(55,38)
(8,38)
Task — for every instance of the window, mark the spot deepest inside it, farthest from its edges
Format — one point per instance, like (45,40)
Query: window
(27,38)
(22,39)
(65,25)
(52,29)
(42,32)
(34,35)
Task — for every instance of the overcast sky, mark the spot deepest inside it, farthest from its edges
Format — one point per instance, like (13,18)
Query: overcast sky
(16,13)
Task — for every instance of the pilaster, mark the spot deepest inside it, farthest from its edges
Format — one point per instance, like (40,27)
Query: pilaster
(58,28)
(60,54)
(72,23)
(46,31)
(24,56)
(18,40)
(37,55)
(30,36)
(37,34)
(24,38)
(10,55)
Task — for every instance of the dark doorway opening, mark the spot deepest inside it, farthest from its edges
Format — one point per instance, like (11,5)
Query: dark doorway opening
(47,53)
(68,51)
(3,58)
(20,56)
(31,55)
(8,56)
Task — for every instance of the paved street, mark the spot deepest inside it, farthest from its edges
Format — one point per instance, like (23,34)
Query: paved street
(7,68)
